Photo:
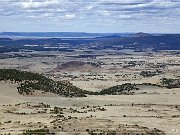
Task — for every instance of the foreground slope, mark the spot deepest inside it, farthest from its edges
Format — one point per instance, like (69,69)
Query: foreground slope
(151,113)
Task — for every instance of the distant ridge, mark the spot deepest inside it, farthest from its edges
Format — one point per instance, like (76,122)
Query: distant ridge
(141,34)
(138,41)
(57,34)
(111,36)
(144,41)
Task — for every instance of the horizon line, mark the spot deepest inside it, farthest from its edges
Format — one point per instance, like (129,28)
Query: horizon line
(88,32)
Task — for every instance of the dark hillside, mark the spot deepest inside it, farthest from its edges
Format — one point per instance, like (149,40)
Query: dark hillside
(33,81)
(143,41)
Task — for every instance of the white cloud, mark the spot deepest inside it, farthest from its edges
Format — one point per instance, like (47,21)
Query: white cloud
(39,4)
(69,16)
(92,12)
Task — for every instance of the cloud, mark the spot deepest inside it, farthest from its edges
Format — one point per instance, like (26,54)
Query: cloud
(93,12)
(39,4)
(69,16)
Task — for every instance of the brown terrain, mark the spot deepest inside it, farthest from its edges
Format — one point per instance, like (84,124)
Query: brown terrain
(149,110)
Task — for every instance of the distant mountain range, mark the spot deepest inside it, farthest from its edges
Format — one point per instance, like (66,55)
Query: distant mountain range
(144,40)
(59,34)
(138,41)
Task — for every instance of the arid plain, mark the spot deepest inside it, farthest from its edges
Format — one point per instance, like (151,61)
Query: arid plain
(149,110)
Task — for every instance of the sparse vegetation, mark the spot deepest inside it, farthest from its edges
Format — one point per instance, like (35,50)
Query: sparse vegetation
(119,89)
(171,83)
(36,132)
(33,81)
(28,82)
(102,133)
(149,73)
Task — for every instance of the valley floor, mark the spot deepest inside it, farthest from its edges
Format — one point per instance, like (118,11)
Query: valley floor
(151,109)
(142,113)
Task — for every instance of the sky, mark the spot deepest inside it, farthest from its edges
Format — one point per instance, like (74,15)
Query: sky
(102,16)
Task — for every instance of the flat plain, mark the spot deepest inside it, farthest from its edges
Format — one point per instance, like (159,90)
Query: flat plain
(149,110)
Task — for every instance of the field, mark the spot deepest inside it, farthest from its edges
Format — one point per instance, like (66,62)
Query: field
(152,108)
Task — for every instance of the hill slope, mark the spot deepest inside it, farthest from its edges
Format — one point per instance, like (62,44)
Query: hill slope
(32,81)
(143,41)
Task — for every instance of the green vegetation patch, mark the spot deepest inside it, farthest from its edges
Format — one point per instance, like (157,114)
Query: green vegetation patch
(36,132)
(119,89)
(28,82)
(34,81)
(171,83)
(150,73)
